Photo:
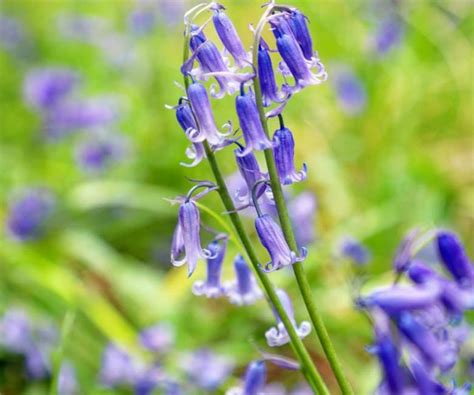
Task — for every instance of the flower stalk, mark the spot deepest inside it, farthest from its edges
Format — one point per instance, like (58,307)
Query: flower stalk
(287,228)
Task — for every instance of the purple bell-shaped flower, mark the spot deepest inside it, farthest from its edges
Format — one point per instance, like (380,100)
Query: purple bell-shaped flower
(244,290)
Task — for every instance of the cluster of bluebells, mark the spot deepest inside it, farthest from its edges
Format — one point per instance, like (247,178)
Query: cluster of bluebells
(35,342)
(420,327)
(200,369)
(230,69)
(54,94)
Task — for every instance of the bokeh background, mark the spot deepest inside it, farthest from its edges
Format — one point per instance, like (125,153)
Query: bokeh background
(387,140)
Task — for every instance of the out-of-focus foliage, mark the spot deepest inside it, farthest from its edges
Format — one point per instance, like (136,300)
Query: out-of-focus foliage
(400,157)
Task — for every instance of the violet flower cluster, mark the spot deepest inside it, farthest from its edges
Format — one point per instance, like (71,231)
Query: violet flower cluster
(36,342)
(231,69)
(420,327)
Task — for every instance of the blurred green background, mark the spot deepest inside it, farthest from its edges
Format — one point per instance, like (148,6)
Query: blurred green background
(405,160)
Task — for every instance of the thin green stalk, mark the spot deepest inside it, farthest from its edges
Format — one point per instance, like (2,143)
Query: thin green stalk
(287,229)
(307,366)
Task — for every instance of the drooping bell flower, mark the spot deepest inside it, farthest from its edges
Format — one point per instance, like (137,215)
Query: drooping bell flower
(212,286)
(271,237)
(187,238)
(207,129)
(251,173)
(250,123)
(157,338)
(29,213)
(228,34)
(435,352)
(388,35)
(351,248)
(400,298)
(454,258)
(268,85)
(244,290)
(424,380)
(211,64)
(284,153)
(293,57)
(388,355)
(254,381)
(37,363)
(185,118)
(278,336)
(299,26)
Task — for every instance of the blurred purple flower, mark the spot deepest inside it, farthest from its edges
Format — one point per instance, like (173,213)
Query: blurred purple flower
(97,153)
(351,248)
(350,90)
(212,286)
(15,331)
(28,214)
(244,290)
(278,336)
(254,381)
(117,367)
(157,338)
(37,363)
(207,370)
(148,380)
(302,209)
(455,259)
(141,21)
(85,28)
(12,34)
(67,380)
(44,88)
(388,34)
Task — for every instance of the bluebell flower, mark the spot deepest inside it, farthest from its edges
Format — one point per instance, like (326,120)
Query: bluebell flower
(15,331)
(400,298)
(157,338)
(250,123)
(251,173)
(212,286)
(278,336)
(424,380)
(207,129)
(207,370)
(13,36)
(351,92)
(244,290)
(228,34)
(271,237)
(388,355)
(299,26)
(434,351)
(254,381)
(98,152)
(45,88)
(211,64)
(284,153)
(270,91)
(37,363)
(28,214)
(293,57)
(185,118)
(351,248)
(147,380)
(67,380)
(117,367)
(455,259)
(388,35)
(186,244)
(302,209)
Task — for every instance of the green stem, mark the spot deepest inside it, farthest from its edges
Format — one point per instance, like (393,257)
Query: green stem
(308,368)
(287,229)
